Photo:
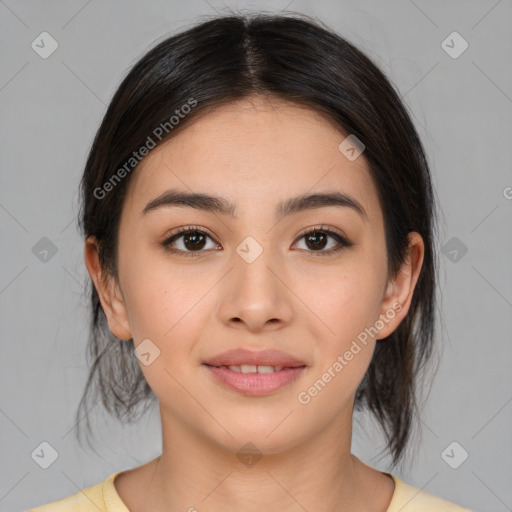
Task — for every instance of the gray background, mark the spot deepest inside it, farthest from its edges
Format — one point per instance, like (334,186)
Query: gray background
(50,110)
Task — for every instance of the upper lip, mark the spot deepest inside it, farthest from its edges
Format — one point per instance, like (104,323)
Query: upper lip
(267,357)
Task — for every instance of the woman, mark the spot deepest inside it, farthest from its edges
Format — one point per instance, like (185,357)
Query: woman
(258,218)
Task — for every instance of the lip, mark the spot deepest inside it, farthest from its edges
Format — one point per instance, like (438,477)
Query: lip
(255,384)
(266,357)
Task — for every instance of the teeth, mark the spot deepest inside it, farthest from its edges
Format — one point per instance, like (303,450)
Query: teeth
(266,369)
(248,368)
(251,368)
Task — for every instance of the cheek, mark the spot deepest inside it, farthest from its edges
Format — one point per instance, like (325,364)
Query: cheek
(159,296)
(348,304)
(170,307)
(163,308)
(345,301)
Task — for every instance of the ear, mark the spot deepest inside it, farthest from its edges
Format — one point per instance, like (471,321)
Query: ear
(398,296)
(109,292)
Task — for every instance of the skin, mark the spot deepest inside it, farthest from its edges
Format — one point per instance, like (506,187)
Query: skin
(255,153)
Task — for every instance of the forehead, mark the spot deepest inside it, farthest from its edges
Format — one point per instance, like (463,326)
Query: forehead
(255,153)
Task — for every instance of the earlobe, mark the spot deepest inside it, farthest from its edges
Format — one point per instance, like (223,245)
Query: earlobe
(107,288)
(400,289)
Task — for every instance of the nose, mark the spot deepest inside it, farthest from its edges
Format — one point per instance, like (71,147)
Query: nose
(255,296)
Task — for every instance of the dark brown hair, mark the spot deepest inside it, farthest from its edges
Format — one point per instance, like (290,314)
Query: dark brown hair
(298,59)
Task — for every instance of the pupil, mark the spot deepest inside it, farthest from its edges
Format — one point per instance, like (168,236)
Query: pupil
(195,239)
(317,236)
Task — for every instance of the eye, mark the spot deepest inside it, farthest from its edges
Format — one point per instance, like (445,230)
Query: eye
(317,239)
(191,241)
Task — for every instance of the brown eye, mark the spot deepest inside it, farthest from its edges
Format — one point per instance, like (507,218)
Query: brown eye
(317,239)
(189,241)
(194,240)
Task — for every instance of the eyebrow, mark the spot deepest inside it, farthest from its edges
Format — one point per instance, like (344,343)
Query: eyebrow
(209,203)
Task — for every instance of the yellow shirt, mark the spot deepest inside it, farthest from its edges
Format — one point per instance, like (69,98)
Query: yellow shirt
(103,497)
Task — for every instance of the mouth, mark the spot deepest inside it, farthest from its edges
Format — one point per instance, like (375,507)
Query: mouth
(254,371)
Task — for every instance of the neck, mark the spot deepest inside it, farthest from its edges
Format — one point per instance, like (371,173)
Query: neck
(317,474)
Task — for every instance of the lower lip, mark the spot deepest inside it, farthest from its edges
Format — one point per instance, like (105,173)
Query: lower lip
(256,384)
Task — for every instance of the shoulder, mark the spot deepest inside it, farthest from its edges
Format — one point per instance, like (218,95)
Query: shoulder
(407,498)
(101,496)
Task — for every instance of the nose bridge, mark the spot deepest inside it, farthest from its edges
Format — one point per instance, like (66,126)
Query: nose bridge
(254,294)
(255,264)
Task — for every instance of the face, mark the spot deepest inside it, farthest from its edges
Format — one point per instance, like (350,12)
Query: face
(309,281)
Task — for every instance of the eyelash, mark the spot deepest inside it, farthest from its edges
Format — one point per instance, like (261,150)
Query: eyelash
(342,241)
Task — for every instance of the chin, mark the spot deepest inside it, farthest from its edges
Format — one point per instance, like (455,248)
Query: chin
(266,437)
